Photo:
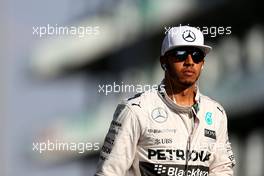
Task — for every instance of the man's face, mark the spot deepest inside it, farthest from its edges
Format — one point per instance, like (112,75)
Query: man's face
(185,65)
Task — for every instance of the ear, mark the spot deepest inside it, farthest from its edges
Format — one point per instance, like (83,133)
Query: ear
(162,60)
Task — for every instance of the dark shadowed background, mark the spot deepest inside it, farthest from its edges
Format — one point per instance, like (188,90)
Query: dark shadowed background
(66,64)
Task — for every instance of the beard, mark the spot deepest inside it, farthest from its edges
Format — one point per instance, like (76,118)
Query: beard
(187,83)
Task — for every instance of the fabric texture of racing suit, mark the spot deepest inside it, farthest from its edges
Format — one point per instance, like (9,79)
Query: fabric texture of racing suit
(148,137)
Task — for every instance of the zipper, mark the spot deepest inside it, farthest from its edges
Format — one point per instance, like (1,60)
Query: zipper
(187,154)
(188,146)
(190,136)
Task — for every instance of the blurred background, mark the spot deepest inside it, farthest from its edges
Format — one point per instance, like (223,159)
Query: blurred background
(54,83)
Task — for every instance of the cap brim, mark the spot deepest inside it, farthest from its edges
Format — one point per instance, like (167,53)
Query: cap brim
(205,48)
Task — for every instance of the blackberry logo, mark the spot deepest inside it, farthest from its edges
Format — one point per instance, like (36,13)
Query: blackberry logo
(159,169)
(172,169)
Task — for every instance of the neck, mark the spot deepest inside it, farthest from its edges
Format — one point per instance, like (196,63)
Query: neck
(183,95)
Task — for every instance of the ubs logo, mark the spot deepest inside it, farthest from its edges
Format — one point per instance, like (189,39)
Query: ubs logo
(163,141)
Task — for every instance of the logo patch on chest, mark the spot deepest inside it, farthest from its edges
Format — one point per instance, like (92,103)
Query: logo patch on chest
(209,133)
(208,118)
(159,115)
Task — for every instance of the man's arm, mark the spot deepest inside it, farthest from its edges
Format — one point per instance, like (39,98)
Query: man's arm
(224,159)
(120,143)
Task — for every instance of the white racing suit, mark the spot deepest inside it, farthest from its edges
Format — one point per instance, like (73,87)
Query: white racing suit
(148,136)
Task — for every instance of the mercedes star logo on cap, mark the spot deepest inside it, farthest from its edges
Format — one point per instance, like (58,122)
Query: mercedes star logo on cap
(188,36)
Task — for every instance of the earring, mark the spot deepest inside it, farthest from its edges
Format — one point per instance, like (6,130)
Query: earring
(164,67)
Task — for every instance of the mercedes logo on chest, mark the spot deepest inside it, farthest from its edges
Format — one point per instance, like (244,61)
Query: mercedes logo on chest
(188,36)
(159,115)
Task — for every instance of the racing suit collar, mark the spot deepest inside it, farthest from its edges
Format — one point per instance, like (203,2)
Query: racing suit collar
(172,105)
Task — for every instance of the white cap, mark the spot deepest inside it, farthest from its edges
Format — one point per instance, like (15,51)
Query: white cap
(184,36)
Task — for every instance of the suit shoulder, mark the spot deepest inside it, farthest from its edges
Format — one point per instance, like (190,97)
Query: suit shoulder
(213,103)
(142,99)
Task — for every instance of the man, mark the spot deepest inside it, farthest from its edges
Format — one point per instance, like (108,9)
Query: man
(172,130)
